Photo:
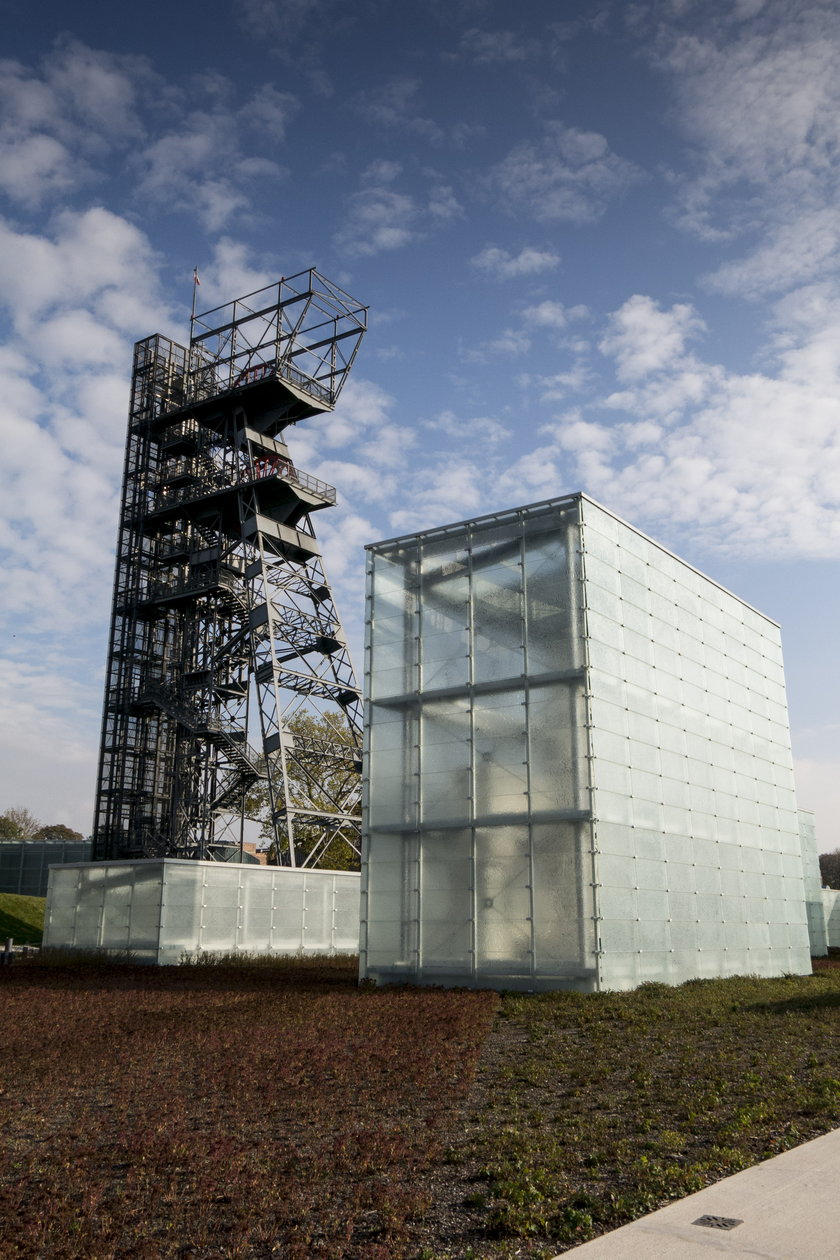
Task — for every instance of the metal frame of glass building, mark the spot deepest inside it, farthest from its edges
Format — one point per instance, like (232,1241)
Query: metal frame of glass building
(578,763)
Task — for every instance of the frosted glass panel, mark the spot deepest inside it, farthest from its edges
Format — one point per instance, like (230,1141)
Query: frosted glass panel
(500,750)
(500,597)
(445,761)
(160,910)
(681,659)
(557,747)
(563,897)
(552,637)
(498,629)
(503,899)
(444,619)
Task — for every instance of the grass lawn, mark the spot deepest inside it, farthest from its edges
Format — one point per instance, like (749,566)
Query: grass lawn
(589,1111)
(280,1111)
(22,918)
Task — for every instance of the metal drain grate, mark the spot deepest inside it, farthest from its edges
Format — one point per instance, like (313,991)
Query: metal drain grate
(718,1222)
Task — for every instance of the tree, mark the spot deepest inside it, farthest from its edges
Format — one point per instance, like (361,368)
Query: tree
(18,824)
(318,782)
(830,869)
(57,832)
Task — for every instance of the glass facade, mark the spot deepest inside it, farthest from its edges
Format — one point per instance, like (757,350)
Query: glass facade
(479,856)
(579,765)
(814,904)
(160,910)
(831,917)
(699,853)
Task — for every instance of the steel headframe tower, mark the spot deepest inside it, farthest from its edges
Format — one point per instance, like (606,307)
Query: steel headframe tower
(223,621)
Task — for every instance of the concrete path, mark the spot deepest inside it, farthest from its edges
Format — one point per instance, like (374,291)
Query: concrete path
(789,1209)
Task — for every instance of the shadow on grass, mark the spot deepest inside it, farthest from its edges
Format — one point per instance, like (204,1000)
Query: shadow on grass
(64,970)
(21,932)
(815,1002)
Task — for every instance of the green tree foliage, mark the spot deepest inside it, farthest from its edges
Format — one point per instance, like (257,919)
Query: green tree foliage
(58,832)
(18,823)
(830,869)
(316,783)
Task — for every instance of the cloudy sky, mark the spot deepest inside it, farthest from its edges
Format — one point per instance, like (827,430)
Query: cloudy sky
(600,242)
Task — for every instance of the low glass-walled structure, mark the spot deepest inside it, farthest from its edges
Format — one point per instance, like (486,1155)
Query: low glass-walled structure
(578,763)
(161,910)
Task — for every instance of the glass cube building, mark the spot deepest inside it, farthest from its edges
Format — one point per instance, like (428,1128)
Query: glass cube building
(578,763)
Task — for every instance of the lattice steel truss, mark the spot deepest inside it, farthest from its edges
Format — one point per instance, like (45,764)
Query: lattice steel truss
(223,626)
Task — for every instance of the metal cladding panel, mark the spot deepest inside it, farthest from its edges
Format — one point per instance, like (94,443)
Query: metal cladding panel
(699,866)
(477,866)
(169,910)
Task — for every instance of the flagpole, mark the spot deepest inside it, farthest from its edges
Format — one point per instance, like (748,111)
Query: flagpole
(196,283)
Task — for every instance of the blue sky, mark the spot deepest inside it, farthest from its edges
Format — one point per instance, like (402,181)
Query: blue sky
(600,242)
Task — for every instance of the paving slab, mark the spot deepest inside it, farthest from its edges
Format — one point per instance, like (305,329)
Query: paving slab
(788,1208)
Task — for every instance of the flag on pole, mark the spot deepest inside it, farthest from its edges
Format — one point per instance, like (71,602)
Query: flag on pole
(195,276)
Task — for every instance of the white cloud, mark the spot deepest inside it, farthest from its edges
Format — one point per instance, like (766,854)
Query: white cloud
(536,475)
(269,112)
(511,341)
(745,463)
(230,270)
(502,265)
(89,258)
(485,429)
(361,424)
(57,122)
(381,218)
(395,106)
(798,251)
(449,491)
(568,175)
(550,314)
(63,403)
(559,385)
(644,339)
(286,18)
(84,117)
(203,165)
(760,102)
(34,167)
(48,724)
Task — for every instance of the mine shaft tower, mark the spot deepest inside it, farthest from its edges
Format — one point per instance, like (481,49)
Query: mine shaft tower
(224,630)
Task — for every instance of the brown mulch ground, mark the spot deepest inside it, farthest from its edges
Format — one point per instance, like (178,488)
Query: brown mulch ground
(224,1113)
(211,1112)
